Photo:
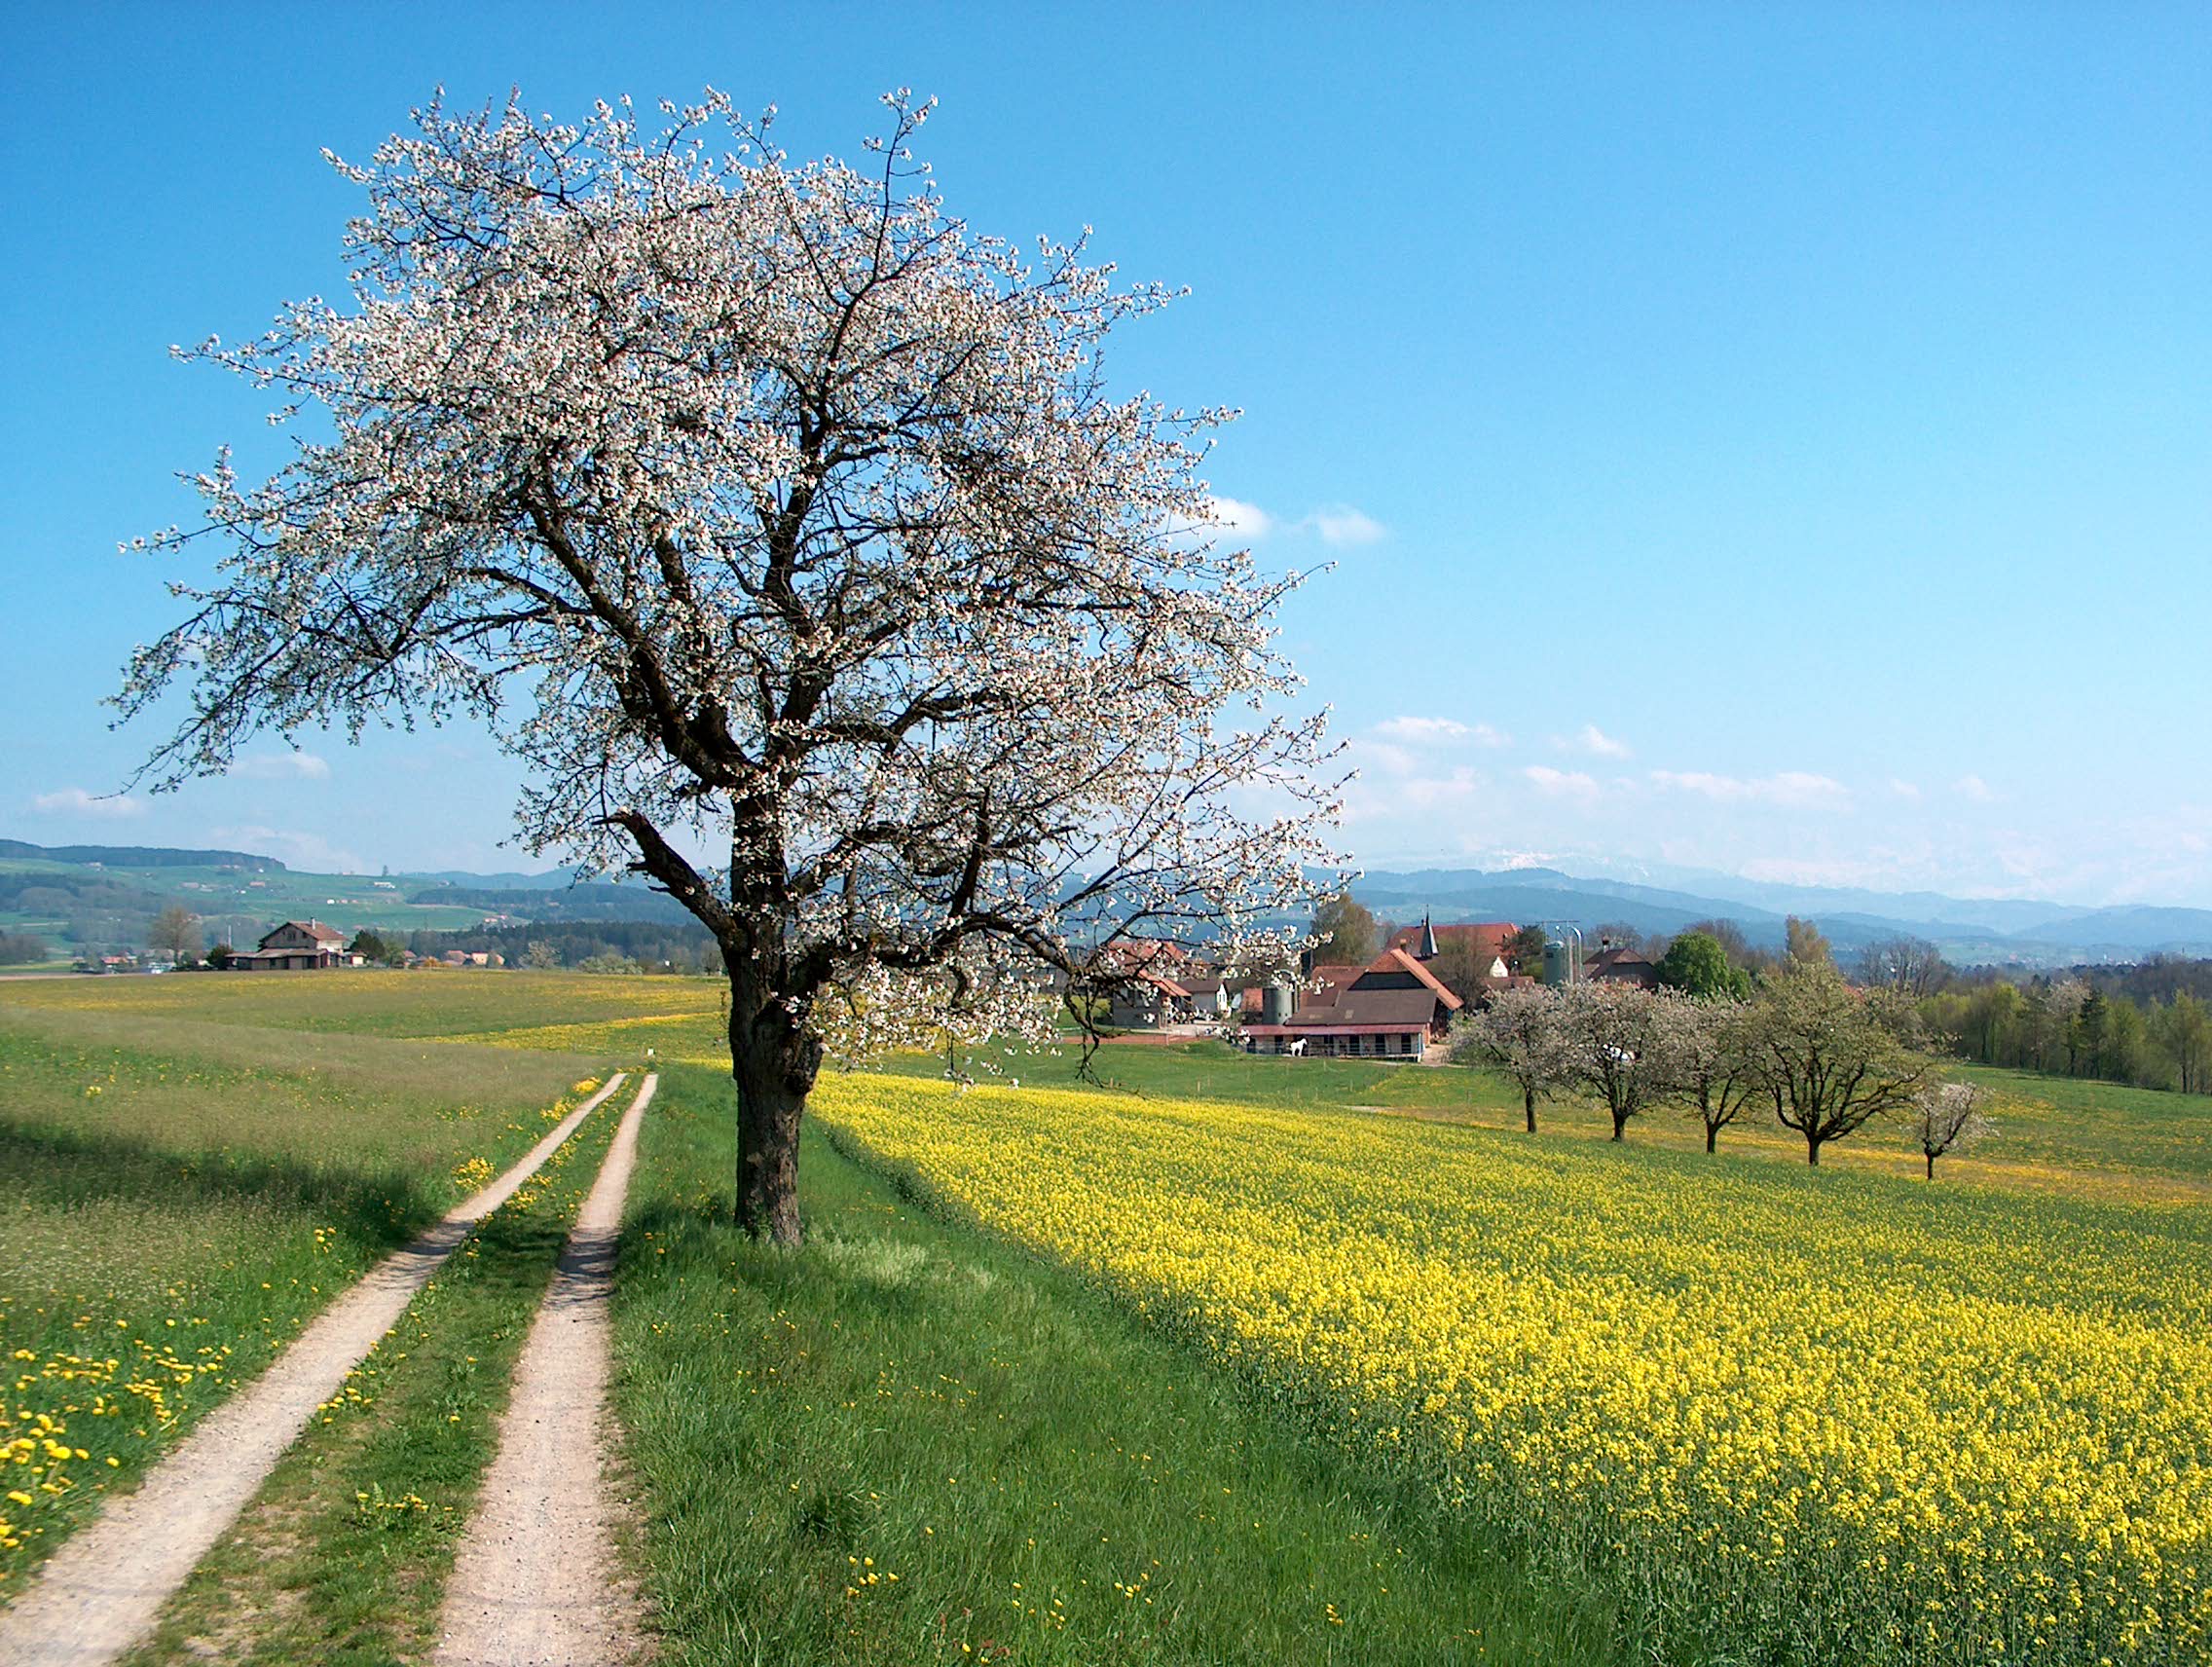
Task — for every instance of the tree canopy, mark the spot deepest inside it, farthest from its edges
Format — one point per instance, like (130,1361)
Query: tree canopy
(1353,937)
(785,530)
(1696,964)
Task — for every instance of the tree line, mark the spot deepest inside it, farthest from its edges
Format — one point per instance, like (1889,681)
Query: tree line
(1822,1058)
(2077,1025)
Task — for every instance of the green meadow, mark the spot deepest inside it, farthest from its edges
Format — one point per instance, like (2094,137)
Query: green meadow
(913,1440)
(178,1198)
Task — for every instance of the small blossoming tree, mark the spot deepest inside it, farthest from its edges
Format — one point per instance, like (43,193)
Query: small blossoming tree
(1946,1118)
(1624,1045)
(783,528)
(1521,1034)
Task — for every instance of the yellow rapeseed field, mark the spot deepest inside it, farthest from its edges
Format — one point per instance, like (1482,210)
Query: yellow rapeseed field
(1809,1416)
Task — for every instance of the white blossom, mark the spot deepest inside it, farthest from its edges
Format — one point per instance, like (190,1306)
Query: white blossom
(766,509)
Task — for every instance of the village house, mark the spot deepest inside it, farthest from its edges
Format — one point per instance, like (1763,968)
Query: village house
(297,946)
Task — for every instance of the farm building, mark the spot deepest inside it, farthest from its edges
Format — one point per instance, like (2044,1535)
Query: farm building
(296,945)
(1390,1009)
(1619,964)
(1482,948)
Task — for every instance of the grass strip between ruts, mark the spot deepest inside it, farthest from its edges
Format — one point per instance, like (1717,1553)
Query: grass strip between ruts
(915,1442)
(342,1558)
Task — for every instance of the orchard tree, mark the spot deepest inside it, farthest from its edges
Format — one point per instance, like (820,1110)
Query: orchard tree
(783,528)
(1718,1073)
(1948,1117)
(1833,1058)
(1623,1044)
(1519,1033)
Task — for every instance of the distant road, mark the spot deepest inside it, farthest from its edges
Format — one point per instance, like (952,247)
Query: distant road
(56,973)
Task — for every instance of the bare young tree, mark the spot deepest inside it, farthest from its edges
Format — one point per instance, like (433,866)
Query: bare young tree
(783,527)
(174,933)
(1949,1117)
(1833,1058)
(1718,1073)
(1519,1033)
(1912,965)
(1623,1044)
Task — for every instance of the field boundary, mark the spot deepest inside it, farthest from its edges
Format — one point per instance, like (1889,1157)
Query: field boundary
(102,1591)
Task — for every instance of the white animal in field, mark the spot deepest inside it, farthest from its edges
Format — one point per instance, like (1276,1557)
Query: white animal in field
(1296,1049)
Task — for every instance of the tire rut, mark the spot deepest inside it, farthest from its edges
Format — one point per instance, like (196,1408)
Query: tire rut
(101,1593)
(536,1583)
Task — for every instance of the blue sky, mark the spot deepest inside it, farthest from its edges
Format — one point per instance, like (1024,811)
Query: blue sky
(1764,439)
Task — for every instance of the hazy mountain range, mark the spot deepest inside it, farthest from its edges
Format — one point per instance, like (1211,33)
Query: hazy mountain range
(1969,932)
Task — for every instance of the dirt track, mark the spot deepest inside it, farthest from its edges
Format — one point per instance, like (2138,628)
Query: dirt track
(534,1584)
(101,1591)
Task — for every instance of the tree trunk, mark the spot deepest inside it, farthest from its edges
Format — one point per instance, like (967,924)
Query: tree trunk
(774,1065)
(1813,1150)
(1620,1124)
(1528,1106)
(1711,1138)
(1931,1165)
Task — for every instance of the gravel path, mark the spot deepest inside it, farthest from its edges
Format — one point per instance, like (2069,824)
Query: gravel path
(99,1593)
(534,1584)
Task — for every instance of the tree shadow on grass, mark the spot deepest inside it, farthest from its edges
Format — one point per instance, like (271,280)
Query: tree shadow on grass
(59,1170)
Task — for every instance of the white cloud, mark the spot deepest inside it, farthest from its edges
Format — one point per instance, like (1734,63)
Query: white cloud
(299,850)
(1903,788)
(1441,731)
(1422,731)
(281,767)
(1789,786)
(1244,520)
(1591,740)
(1974,788)
(1396,783)
(1390,758)
(76,801)
(1562,784)
(1341,524)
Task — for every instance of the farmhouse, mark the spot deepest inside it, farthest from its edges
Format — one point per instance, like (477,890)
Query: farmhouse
(296,945)
(1390,1009)
(1620,964)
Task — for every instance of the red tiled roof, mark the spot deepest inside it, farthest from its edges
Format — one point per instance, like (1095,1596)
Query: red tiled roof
(1393,1028)
(1167,987)
(1329,985)
(1490,936)
(1399,960)
(1391,1009)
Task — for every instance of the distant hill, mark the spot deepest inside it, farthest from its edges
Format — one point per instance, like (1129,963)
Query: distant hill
(115,889)
(590,902)
(139,857)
